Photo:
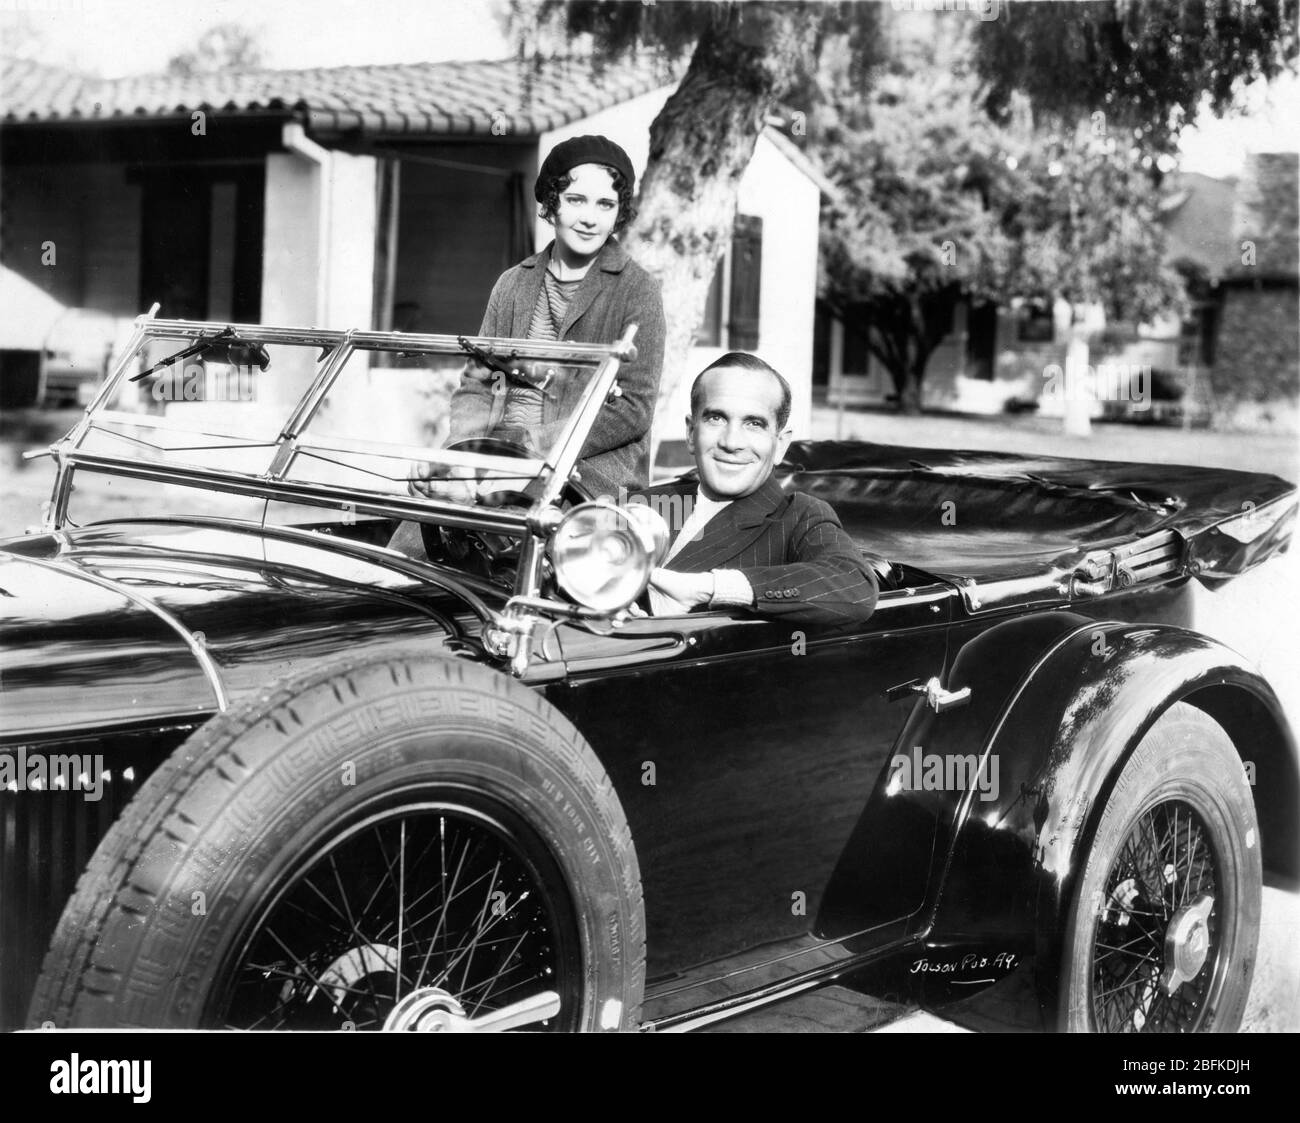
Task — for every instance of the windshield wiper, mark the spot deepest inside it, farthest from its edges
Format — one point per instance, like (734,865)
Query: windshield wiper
(184,353)
(488,357)
(527,373)
(254,353)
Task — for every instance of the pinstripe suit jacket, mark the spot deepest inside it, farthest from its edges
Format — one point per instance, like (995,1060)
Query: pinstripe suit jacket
(794,553)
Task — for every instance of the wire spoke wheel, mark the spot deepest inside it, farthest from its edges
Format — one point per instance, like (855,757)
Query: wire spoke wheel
(1162,932)
(1156,942)
(443,906)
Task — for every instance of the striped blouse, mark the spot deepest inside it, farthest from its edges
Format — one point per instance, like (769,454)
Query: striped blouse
(524,403)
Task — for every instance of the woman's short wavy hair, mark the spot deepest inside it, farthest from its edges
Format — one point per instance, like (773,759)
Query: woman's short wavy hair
(553,186)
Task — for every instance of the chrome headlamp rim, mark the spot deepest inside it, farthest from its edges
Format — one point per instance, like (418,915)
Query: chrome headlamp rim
(602,553)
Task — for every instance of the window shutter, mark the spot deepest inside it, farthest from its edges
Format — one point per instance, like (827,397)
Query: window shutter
(746,268)
(709,333)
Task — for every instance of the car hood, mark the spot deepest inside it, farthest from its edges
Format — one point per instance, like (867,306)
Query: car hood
(130,624)
(979,515)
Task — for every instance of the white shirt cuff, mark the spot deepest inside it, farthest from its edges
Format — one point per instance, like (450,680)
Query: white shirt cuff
(731,589)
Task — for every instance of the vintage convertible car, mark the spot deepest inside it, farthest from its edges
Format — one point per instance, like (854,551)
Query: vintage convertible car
(307,780)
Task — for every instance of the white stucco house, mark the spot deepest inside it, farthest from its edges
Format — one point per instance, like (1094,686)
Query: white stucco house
(374,196)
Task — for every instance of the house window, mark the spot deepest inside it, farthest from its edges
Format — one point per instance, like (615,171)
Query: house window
(981,340)
(857,325)
(736,287)
(201,242)
(1199,334)
(1035,324)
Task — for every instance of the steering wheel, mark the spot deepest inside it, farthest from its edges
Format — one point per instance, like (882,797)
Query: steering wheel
(485,552)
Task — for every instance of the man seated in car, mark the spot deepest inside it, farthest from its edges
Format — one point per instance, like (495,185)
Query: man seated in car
(746,542)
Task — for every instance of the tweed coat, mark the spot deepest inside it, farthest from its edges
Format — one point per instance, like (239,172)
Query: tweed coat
(615,292)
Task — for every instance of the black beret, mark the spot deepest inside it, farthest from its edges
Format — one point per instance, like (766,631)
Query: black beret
(583,150)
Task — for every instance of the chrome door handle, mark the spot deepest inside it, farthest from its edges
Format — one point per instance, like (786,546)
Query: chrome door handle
(936,697)
(939,699)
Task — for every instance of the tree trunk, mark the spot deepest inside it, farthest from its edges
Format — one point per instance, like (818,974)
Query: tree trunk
(1077,418)
(909,398)
(1076,414)
(700,145)
(895,349)
(918,354)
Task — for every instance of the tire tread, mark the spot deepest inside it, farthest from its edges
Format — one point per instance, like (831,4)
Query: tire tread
(100,935)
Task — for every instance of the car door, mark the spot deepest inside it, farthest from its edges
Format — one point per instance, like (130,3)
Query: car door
(744,751)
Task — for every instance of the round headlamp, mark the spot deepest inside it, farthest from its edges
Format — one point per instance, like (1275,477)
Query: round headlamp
(603,554)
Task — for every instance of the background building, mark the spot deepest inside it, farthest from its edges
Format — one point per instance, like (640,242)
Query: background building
(368,196)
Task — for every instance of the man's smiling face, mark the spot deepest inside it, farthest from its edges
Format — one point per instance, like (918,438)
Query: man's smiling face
(734,436)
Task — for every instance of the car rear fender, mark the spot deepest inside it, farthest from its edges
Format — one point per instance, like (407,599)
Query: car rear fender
(1057,749)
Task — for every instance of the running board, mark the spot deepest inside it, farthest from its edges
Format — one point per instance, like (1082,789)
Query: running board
(754,1000)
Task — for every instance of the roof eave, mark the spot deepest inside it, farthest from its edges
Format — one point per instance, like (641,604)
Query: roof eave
(287,113)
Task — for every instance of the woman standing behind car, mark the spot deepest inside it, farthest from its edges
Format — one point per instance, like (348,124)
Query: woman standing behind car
(582,288)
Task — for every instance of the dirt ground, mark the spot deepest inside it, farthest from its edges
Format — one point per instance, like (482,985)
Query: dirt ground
(1257,614)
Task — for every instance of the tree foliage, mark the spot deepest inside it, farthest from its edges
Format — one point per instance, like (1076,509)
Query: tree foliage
(1146,64)
(743,59)
(22,37)
(613,29)
(923,163)
(224,47)
(1087,226)
(937,201)
(919,166)
(923,184)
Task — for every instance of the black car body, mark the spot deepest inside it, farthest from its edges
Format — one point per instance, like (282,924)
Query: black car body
(777,781)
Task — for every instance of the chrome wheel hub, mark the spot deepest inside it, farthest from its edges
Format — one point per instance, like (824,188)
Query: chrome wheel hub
(427,1010)
(431,1010)
(1187,943)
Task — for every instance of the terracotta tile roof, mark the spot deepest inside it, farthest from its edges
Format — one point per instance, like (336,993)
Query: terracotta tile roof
(522,98)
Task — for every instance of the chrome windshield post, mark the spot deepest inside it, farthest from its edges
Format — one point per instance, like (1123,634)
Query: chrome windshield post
(287,444)
(56,511)
(579,425)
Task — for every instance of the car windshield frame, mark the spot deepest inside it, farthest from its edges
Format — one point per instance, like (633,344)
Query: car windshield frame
(553,467)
